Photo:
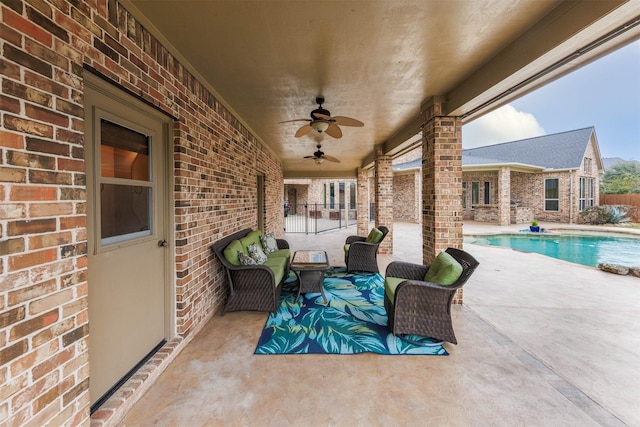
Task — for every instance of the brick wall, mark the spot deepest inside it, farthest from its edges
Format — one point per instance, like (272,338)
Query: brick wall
(43,238)
(528,190)
(405,202)
(384,198)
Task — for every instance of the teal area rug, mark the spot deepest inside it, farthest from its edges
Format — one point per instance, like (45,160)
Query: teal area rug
(353,321)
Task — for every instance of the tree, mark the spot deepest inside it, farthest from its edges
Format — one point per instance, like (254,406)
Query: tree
(622,178)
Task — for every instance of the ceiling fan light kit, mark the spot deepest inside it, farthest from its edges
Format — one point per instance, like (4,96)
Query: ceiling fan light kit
(322,122)
(320,157)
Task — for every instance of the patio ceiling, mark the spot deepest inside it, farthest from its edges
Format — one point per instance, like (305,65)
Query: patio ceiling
(377,61)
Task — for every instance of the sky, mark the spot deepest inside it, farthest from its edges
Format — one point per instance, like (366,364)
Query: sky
(604,94)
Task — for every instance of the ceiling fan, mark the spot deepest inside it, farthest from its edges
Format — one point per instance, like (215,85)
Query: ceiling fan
(321,121)
(319,157)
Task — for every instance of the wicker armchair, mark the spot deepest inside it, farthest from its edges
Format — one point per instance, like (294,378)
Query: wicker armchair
(422,308)
(361,255)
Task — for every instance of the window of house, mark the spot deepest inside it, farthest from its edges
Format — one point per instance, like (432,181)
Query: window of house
(341,195)
(352,195)
(487,192)
(332,193)
(551,194)
(586,192)
(464,194)
(475,193)
(324,195)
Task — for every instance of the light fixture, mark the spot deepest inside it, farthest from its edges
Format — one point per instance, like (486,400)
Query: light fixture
(320,125)
(318,160)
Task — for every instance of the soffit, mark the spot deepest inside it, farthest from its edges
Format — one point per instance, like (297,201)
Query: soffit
(376,61)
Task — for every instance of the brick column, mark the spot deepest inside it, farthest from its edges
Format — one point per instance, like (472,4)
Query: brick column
(384,197)
(504,196)
(441,183)
(363,203)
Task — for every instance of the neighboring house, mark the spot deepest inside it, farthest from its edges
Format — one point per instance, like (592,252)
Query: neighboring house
(549,178)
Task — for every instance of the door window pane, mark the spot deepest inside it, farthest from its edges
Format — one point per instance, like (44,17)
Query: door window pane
(124,209)
(124,153)
(125,184)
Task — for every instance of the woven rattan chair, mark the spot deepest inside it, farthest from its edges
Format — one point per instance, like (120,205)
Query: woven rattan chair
(422,308)
(363,256)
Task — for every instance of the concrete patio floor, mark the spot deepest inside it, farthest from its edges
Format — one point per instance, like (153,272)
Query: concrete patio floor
(541,342)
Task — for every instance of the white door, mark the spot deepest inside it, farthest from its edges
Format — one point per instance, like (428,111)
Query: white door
(127,233)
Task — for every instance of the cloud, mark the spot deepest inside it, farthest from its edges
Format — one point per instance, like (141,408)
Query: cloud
(501,125)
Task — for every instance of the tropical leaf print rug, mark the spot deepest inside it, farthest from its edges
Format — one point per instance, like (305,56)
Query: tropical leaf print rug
(353,321)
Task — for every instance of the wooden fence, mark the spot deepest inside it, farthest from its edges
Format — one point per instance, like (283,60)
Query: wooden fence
(622,199)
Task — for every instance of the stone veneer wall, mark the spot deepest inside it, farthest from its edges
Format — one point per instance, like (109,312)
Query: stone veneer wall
(44,326)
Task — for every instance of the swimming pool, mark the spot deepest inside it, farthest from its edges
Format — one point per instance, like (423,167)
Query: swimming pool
(582,249)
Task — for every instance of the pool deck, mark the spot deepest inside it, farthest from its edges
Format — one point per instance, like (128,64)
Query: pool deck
(541,342)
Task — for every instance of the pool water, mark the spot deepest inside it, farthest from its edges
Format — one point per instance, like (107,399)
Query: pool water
(577,248)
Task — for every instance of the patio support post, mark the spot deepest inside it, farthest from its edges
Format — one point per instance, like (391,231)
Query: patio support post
(441,182)
(504,196)
(384,197)
(362,227)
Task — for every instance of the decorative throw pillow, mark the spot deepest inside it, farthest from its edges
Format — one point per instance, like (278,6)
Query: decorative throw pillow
(246,259)
(445,270)
(269,243)
(256,253)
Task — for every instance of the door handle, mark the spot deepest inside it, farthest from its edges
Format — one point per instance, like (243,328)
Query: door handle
(162,243)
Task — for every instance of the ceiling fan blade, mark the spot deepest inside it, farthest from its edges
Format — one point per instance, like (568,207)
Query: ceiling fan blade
(303,131)
(331,159)
(334,131)
(347,121)
(296,120)
(323,117)
(309,157)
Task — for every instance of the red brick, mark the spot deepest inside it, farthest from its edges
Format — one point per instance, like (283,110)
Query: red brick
(75,335)
(11,317)
(12,175)
(50,209)
(27,93)
(70,165)
(71,222)
(10,105)
(30,160)
(11,140)
(28,28)
(9,35)
(7,354)
(45,84)
(49,177)
(29,61)
(18,262)
(53,363)
(50,239)
(28,126)
(48,116)
(12,246)
(17,228)
(50,301)
(27,327)
(31,193)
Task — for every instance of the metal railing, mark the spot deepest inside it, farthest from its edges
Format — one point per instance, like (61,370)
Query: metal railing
(314,218)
